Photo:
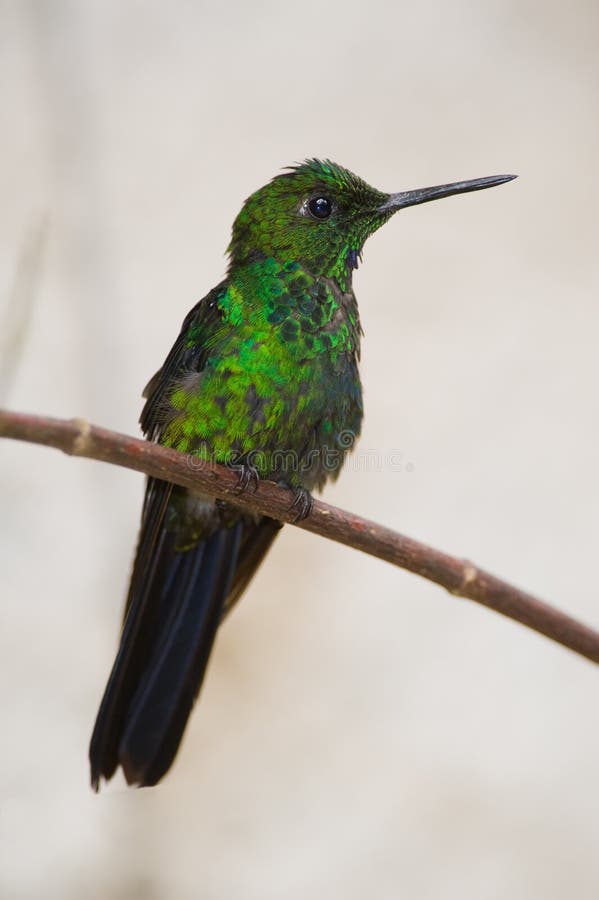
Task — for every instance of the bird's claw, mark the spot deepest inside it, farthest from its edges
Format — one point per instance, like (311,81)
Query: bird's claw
(248,478)
(303,503)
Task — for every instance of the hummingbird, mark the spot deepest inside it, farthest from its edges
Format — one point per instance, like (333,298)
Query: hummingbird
(263,377)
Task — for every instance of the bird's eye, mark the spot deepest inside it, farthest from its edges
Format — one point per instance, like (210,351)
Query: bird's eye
(320,207)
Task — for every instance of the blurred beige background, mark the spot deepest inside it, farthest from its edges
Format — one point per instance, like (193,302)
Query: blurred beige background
(361,733)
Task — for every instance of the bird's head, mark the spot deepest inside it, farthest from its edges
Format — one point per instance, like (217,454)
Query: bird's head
(319,215)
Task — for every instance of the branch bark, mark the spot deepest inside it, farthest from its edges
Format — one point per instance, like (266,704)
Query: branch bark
(460,577)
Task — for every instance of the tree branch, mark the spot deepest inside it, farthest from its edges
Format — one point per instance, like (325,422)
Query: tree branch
(460,577)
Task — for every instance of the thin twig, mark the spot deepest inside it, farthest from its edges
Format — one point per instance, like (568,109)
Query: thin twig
(460,577)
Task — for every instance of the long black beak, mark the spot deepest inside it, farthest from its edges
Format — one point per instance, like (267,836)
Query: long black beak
(425,195)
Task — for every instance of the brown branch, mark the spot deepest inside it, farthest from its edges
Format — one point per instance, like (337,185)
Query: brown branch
(460,577)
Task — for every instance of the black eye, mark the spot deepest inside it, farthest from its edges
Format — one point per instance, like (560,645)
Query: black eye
(320,207)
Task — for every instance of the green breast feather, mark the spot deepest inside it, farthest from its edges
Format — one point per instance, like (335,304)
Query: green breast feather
(279,385)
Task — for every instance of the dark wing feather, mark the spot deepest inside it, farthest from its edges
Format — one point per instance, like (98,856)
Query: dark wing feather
(188,354)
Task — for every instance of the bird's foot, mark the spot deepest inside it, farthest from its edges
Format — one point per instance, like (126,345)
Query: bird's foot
(249,478)
(303,503)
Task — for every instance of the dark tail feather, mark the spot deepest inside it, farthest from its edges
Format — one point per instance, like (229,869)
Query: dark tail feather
(155,557)
(161,706)
(255,542)
(165,645)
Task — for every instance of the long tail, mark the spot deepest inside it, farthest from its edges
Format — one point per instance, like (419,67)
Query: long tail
(176,601)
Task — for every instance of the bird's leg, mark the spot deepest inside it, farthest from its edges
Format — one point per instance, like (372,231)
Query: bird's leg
(303,503)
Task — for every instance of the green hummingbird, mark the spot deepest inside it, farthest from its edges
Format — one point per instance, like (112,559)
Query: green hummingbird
(263,376)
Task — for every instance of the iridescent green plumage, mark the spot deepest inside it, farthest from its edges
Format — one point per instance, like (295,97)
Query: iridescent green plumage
(263,376)
(282,374)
